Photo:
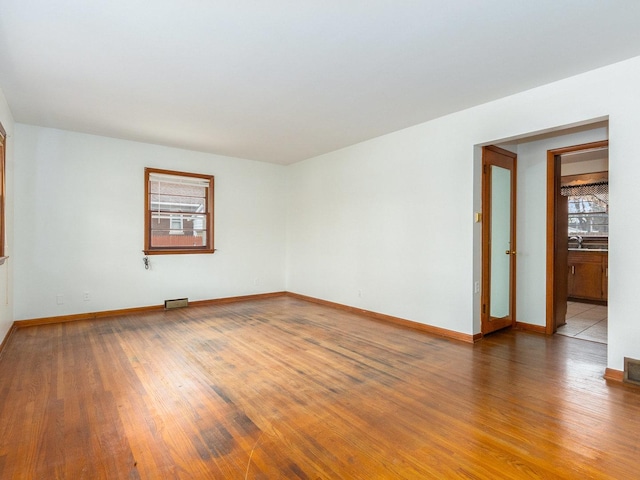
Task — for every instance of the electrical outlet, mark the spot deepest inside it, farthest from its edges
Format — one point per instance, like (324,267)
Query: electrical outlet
(60,299)
(476,287)
(359,293)
(86,297)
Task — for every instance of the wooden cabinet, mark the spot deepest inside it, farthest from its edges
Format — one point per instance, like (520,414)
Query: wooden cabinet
(588,273)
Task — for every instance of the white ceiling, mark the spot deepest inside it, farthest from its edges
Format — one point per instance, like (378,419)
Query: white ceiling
(285,80)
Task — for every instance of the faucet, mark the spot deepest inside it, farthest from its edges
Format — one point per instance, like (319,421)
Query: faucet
(578,239)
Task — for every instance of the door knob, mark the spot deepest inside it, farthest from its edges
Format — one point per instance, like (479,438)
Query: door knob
(509,252)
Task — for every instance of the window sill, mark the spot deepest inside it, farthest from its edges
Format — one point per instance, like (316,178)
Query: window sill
(178,252)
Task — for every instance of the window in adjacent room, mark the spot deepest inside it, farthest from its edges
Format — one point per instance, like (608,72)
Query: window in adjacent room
(178,212)
(588,209)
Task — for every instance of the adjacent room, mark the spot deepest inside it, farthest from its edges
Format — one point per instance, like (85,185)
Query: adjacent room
(319,239)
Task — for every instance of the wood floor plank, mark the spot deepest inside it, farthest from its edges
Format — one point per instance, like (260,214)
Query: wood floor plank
(284,388)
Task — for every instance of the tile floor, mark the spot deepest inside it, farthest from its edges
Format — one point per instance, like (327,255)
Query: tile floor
(585,321)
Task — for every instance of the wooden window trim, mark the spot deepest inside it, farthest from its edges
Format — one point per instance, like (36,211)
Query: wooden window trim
(205,249)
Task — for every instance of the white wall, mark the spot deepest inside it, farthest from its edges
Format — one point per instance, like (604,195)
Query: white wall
(6,270)
(79,226)
(393,217)
(385,225)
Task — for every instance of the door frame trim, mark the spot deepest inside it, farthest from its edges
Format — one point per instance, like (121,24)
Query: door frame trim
(551,219)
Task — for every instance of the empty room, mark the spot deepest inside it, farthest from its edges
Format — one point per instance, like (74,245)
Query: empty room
(359,240)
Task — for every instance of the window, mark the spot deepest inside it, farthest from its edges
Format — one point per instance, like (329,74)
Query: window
(588,209)
(178,212)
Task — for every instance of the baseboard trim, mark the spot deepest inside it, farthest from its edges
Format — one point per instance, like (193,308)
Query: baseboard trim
(441,332)
(529,327)
(136,310)
(242,298)
(614,375)
(33,322)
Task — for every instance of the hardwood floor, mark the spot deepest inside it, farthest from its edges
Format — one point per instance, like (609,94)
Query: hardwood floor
(283,388)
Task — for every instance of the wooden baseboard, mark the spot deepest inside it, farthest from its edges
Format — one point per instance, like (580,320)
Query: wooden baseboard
(587,300)
(529,327)
(441,332)
(85,316)
(136,310)
(614,375)
(242,298)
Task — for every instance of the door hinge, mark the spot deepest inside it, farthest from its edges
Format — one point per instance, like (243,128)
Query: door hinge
(484,308)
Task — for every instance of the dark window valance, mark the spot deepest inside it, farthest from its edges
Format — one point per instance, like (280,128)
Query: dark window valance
(597,189)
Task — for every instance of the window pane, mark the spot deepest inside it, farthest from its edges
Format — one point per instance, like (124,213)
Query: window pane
(588,215)
(588,208)
(164,225)
(159,240)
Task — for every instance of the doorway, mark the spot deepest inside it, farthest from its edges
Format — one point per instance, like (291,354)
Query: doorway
(498,239)
(577,243)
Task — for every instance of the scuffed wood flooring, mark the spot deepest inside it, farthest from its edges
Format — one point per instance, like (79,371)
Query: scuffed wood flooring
(283,388)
